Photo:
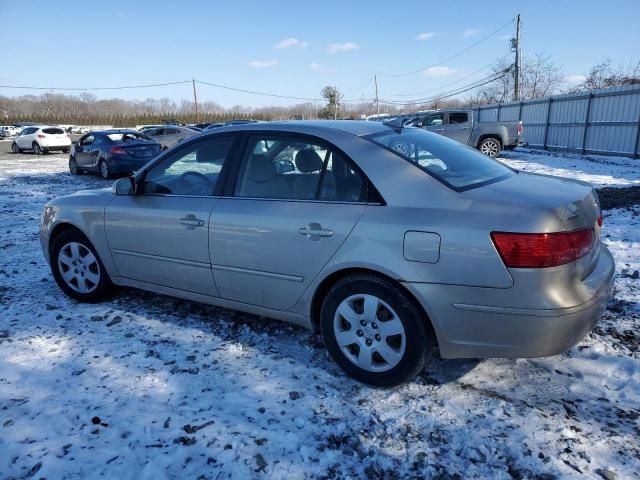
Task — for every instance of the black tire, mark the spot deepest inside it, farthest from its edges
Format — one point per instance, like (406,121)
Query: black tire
(73,167)
(103,169)
(419,337)
(37,149)
(15,148)
(490,146)
(66,150)
(103,288)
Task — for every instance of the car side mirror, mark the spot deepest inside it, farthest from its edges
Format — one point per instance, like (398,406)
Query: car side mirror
(124,186)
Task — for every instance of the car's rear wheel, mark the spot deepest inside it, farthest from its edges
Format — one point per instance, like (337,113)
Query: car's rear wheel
(15,148)
(37,149)
(73,167)
(490,146)
(66,150)
(77,268)
(103,167)
(375,331)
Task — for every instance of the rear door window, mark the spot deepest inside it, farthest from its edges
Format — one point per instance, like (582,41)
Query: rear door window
(295,168)
(458,117)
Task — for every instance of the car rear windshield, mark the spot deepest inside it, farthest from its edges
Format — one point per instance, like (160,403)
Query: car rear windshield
(450,162)
(53,131)
(124,136)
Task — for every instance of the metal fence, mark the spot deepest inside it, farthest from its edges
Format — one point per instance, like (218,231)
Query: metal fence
(605,121)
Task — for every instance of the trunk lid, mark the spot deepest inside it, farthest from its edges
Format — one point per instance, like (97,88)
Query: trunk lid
(573,203)
(140,149)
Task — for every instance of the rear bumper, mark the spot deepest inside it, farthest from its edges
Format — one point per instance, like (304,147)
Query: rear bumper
(126,165)
(51,148)
(468,329)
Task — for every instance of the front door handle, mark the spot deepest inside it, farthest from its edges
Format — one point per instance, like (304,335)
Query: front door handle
(191,222)
(314,231)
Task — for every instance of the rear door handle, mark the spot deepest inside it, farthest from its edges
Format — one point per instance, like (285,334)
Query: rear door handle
(191,221)
(314,231)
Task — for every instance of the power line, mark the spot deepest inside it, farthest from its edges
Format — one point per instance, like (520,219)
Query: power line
(75,89)
(274,95)
(456,55)
(449,84)
(478,83)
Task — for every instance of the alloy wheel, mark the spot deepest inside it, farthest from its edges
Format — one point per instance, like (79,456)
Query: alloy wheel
(104,169)
(490,147)
(79,267)
(369,333)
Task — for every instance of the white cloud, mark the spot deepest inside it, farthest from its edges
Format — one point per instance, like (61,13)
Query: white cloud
(438,72)
(575,79)
(426,36)
(318,67)
(291,42)
(470,32)
(343,47)
(263,63)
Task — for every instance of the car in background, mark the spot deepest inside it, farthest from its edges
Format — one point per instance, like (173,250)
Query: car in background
(41,139)
(110,152)
(8,131)
(201,126)
(169,135)
(464,126)
(214,126)
(388,255)
(145,128)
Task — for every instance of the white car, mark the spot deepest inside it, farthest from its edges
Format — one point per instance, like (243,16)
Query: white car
(8,131)
(41,139)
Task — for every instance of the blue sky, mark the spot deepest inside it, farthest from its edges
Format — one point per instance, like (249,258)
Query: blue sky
(296,47)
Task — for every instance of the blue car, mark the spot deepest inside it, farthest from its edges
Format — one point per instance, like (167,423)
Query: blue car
(111,152)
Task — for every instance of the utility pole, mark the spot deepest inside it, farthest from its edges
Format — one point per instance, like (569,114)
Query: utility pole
(375,79)
(515,45)
(195,99)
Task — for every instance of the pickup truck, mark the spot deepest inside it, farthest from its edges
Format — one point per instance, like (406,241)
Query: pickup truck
(463,126)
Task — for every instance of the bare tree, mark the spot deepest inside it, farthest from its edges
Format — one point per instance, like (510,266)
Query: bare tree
(604,75)
(540,77)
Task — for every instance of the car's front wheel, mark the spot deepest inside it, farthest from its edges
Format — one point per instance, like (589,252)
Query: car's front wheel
(77,268)
(73,167)
(375,331)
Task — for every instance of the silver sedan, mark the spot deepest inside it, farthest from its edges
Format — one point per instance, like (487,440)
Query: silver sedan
(389,241)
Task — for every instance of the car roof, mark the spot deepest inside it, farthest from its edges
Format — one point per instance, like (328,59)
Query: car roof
(354,127)
(116,130)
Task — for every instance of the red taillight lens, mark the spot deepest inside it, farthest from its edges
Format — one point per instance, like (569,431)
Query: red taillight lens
(600,221)
(520,128)
(41,136)
(540,250)
(118,151)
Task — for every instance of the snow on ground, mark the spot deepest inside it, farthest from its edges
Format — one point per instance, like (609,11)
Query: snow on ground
(599,170)
(147,387)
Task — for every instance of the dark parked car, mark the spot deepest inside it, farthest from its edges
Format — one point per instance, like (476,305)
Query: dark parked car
(110,152)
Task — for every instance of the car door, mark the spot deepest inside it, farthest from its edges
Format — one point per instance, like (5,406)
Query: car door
(83,151)
(25,139)
(458,126)
(161,235)
(274,231)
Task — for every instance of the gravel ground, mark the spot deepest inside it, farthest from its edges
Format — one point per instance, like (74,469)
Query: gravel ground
(146,386)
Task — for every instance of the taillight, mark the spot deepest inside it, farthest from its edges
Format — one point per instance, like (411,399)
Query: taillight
(600,221)
(540,250)
(118,151)
(41,136)
(520,128)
